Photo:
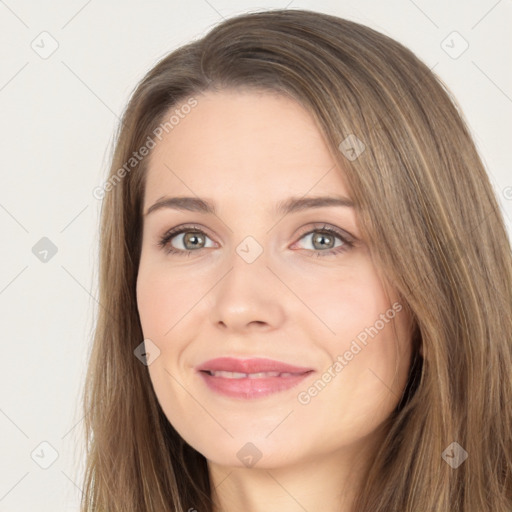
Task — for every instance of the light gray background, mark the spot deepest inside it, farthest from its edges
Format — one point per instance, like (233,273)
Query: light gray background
(57,122)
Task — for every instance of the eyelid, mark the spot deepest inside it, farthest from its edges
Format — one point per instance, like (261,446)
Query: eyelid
(179,229)
(315,226)
(320,226)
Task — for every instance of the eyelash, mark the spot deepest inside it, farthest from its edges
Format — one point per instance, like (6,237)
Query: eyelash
(169,235)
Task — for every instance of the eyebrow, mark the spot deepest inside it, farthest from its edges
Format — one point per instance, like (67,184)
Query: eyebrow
(290,205)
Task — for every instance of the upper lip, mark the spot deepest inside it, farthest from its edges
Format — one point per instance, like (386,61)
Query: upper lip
(252,365)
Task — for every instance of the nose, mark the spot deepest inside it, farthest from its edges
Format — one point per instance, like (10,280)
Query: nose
(249,296)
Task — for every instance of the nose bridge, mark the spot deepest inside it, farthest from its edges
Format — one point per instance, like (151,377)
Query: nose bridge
(249,274)
(247,292)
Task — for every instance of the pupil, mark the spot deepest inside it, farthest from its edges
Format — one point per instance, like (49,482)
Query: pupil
(189,236)
(322,236)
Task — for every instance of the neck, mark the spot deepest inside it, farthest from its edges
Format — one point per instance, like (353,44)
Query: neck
(328,483)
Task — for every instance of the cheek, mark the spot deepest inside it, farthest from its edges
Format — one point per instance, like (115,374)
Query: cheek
(151,303)
(347,304)
(372,342)
(368,345)
(363,384)
(163,298)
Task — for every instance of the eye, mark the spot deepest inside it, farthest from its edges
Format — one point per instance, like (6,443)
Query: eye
(323,238)
(323,241)
(193,239)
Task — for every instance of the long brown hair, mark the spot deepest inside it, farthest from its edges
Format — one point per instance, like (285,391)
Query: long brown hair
(437,234)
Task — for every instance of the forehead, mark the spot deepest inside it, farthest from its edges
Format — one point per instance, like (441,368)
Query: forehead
(245,143)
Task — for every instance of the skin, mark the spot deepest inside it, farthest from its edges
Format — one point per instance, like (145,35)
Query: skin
(246,151)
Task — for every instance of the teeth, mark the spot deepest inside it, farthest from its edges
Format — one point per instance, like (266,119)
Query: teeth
(261,375)
(229,375)
(238,375)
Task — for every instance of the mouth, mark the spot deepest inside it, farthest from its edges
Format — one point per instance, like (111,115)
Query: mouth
(259,375)
(250,378)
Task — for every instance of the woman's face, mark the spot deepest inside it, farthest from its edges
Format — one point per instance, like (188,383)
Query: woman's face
(262,279)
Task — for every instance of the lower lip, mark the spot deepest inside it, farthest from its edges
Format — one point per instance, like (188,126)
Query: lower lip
(251,388)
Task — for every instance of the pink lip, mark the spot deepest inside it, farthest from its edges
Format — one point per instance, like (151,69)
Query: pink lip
(253,365)
(247,387)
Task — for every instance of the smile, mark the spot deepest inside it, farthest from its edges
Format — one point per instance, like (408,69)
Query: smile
(259,375)
(248,386)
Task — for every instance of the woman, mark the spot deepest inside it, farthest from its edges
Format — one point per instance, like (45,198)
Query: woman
(231,369)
